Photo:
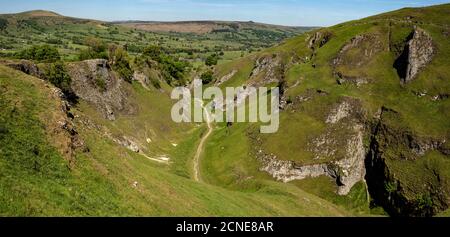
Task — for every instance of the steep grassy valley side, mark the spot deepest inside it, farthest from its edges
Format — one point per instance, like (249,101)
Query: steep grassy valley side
(364,110)
(107,174)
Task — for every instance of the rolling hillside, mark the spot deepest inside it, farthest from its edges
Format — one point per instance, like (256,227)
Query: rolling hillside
(203,27)
(232,39)
(364,124)
(365,104)
(52,165)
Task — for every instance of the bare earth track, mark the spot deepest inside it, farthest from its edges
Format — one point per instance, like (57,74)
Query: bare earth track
(202,143)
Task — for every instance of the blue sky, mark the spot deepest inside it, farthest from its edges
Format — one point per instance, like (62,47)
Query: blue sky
(284,12)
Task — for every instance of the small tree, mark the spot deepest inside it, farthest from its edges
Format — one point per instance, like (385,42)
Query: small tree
(207,77)
(153,51)
(212,60)
(97,45)
(97,49)
(56,73)
(3,24)
(44,53)
(119,60)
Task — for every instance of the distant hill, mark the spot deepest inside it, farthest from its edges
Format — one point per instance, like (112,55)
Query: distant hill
(233,39)
(203,27)
(39,13)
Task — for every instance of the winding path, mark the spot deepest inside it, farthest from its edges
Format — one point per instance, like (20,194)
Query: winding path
(202,143)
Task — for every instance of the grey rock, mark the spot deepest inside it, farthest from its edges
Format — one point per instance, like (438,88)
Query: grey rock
(109,100)
(420,53)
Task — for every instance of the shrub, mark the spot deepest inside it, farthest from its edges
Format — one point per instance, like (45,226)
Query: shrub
(390,187)
(172,68)
(100,83)
(43,53)
(212,60)
(56,73)
(95,44)
(89,54)
(153,52)
(155,83)
(207,77)
(3,24)
(119,60)
(54,41)
(97,49)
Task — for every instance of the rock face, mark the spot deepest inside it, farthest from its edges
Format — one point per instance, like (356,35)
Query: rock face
(417,54)
(347,171)
(141,78)
(420,53)
(287,171)
(343,142)
(358,41)
(319,39)
(226,77)
(343,110)
(351,168)
(269,68)
(346,152)
(422,191)
(26,67)
(61,128)
(127,143)
(96,83)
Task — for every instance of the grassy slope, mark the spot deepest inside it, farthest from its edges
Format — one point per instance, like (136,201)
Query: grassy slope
(35,179)
(421,115)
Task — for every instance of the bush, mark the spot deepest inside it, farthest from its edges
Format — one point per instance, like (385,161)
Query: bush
(207,77)
(153,52)
(56,73)
(43,53)
(95,44)
(212,60)
(119,61)
(96,50)
(89,54)
(172,68)
(3,24)
(54,41)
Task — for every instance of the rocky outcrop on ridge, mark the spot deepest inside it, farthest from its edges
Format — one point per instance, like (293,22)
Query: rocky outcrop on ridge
(95,82)
(418,53)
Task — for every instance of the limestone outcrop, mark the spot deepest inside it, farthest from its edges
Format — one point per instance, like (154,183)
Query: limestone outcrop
(418,53)
(95,82)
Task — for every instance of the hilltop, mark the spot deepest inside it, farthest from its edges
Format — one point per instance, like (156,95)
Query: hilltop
(204,27)
(39,13)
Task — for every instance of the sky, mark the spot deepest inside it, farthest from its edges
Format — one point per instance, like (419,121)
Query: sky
(282,12)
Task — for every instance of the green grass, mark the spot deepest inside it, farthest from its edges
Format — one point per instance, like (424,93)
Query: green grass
(101,182)
(357,200)
(422,116)
(36,181)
